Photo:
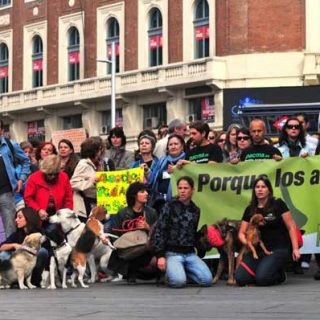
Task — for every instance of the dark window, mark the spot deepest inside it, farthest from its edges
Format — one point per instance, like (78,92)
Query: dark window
(201,109)
(37,62)
(4,68)
(154,115)
(201,29)
(36,130)
(113,36)
(73,54)
(71,122)
(155,38)
(106,120)
(4,3)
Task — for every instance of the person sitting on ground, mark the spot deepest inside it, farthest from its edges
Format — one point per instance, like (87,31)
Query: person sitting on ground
(174,239)
(137,216)
(279,236)
(27,222)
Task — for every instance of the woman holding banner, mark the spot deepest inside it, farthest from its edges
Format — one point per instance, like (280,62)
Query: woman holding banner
(279,236)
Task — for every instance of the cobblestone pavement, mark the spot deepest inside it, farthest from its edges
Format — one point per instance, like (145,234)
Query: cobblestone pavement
(299,298)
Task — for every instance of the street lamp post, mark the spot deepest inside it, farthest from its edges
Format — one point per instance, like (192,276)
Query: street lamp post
(113,82)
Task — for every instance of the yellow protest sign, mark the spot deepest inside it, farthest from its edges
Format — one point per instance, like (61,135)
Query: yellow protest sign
(112,187)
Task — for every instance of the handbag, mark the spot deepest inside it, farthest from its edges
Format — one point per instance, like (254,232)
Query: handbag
(132,244)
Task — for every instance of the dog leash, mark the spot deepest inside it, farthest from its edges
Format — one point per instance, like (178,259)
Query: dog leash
(248,269)
(69,231)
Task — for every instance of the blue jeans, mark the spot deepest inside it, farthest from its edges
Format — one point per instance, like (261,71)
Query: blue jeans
(8,212)
(180,267)
(268,269)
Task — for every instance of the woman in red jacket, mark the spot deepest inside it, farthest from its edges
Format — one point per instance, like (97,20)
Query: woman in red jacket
(48,189)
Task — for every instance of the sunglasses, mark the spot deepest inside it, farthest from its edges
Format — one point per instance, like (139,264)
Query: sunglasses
(221,140)
(211,138)
(245,138)
(293,126)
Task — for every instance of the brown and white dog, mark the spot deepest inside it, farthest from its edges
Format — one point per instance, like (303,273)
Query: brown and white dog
(253,238)
(223,236)
(88,241)
(21,263)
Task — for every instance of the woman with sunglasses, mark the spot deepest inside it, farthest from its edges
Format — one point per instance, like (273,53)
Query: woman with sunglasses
(292,142)
(243,141)
(48,189)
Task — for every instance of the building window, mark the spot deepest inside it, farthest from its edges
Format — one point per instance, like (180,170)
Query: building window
(37,62)
(201,109)
(113,36)
(36,130)
(73,54)
(72,122)
(155,38)
(201,29)
(4,68)
(4,3)
(106,120)
(154,115)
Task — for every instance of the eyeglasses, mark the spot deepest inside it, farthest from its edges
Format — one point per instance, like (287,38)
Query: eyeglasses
(293,126)
(245,138)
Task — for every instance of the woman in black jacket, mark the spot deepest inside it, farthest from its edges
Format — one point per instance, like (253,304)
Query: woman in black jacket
(136,216)
(175,239)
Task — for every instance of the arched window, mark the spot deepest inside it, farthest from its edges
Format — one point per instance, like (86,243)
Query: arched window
(113,36)
(201,29)
(37,62)
(4,68)
(73,54)
(155,38)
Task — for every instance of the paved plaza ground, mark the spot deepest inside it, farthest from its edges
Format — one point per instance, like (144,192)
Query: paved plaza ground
(299,298)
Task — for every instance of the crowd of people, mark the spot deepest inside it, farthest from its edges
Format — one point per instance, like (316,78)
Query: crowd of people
(38,180)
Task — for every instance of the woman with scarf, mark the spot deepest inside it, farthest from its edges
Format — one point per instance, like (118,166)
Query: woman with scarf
(161,188)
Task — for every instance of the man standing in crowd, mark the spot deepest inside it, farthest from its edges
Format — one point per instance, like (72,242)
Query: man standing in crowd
(10,155)
(175,126)
(259,150)
(204,151)
(310,141)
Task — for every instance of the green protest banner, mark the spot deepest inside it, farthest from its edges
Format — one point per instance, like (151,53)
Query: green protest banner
(224,191)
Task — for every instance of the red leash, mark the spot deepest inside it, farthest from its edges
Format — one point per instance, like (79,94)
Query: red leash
(248,269)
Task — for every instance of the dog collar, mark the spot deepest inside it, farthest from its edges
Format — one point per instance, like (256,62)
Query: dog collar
(78,225)
(30,250)
(62,244)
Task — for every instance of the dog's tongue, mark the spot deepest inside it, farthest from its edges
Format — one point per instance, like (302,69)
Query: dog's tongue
(214,237)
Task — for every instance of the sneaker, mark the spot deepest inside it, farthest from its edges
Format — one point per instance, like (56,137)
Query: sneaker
(317,275)
(305,265)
